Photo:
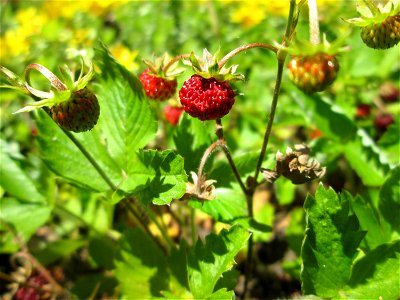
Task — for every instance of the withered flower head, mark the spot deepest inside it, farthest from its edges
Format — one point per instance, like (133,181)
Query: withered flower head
(200,189)
(296,165)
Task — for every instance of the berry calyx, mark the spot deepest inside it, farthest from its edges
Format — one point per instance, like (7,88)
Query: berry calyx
(206,98)
(313,73)
(71,104)
(380,26)
(157,87)
(172,114)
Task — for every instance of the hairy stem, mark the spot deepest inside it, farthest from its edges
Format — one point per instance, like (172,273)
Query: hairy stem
(281,56)
(220,134)
(314,23)
(203,161)
(231,54)
(128,203)
(91,160)
(174,60)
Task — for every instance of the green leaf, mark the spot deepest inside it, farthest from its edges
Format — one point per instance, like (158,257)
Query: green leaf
(141,266)
(15,181)
(285,190)
(366,159)
(191,139)
(126,116)
(84,286)
(58,250)
(157,176)
(389,203)
(126,124)
(376,275)
(330,243)
(229,207)
(378,230)
(207,262)
(326,116)
(390,143)
(295,230)
(64,158)
(15,213)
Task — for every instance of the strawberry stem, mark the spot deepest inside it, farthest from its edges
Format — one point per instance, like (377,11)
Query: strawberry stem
(134,207)
(219,131)
(54,80)
(231,54)
(203,161)
(174,60)
(281,56)
(90,159)
(314,23)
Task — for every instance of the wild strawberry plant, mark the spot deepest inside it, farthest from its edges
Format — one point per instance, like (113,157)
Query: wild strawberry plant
(191,180)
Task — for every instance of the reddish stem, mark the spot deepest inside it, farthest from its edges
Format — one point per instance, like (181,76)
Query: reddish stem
(231,54)
(174,60)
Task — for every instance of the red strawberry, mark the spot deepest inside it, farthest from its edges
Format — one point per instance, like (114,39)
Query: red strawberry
(172,114)
(79,113)
(157,87)
(29,293)
(206,99)
(313,73)
(383,121)
(363,110)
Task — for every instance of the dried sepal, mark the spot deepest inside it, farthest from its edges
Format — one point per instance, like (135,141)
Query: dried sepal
(295,165)
(201,190)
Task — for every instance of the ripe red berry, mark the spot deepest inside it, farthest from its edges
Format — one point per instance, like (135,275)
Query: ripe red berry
(206,99)
(363,110)
(157,87)
(80,113)
(313,73)
(383,121)
(172,114)
(29,293)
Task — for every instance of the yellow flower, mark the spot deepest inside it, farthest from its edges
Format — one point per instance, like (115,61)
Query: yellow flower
(252,12)
(17,41)
(68,8)
(125,57)
(249,13)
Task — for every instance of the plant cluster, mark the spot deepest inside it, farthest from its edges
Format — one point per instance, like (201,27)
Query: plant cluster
(112,212)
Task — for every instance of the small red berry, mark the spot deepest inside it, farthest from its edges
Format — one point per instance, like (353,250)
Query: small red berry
(316,133)
(206,99)
(29,293)
(383,121)
(363,110)
(157,87)
(80,113)
(313,73)
(172,114)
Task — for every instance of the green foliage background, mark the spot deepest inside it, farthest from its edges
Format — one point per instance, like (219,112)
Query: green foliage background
(345,241)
